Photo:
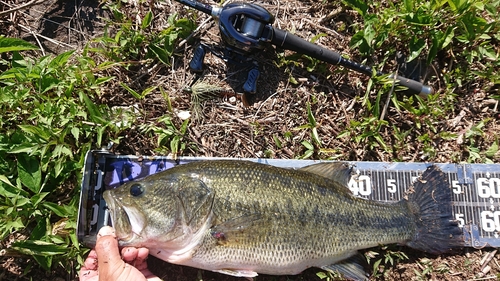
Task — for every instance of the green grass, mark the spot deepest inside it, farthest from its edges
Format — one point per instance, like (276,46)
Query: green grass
(49,122)
(52,114)
(460,31)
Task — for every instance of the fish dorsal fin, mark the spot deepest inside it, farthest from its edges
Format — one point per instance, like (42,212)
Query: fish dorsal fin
(336,171)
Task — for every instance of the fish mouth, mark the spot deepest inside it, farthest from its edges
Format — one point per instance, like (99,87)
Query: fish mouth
(127,221)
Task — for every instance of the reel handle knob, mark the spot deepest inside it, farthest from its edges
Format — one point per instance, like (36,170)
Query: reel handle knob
(250,85)
(196,64)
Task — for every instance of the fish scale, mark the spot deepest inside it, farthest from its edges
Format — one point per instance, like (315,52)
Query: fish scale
(243,218)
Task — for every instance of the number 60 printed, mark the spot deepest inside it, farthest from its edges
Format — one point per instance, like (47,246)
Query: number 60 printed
(487,188)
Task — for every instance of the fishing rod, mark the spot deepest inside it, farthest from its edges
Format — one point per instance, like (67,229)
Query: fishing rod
(247,27)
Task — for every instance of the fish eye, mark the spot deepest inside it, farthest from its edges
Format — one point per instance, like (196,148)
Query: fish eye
(136,190)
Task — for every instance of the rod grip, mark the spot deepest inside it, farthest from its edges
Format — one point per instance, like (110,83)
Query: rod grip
(288,41)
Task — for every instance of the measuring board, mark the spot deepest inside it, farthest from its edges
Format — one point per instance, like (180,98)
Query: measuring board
(475,188)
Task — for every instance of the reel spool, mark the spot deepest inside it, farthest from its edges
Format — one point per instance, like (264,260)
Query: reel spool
(245,27)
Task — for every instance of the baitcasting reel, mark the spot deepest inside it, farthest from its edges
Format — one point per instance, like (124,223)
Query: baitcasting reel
(246,27)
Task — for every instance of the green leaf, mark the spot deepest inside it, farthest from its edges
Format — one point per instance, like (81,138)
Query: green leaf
(369,34)
(28,169)
(315,136)
(5,180)
(307,145)
(161,54)
(44,261)
(409,5)
(277,142)
(131,91)
(95,113)
(20,201)
(170,40)
(61,211)
(174,145)
(147,91)
(37,198)
(376,264)
(416,47)
(184,126)
(24,148)
(61,150)
(310,116)
(459,5)
(449,35)
(75,131)
(15,44)
(492,150)
(102,80)
(147,20)
(37,131)
(58,166)
(359,5)
(40,248)
(307,154)
(357,39)
(315,38)
(61,59)
(9,190)
(321,275)
(40,229)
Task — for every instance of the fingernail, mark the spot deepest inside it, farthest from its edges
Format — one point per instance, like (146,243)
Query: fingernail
(106,230)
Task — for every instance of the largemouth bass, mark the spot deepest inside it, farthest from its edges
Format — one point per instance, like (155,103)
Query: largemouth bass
(243,218)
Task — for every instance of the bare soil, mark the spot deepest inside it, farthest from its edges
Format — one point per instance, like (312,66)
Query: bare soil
(229,128)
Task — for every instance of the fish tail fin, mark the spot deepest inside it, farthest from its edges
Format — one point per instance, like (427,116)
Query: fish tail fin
(430,202)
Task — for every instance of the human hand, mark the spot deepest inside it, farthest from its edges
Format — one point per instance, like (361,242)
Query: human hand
(105,263)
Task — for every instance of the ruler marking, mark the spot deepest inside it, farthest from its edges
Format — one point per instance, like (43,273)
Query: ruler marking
(403,179)
(469,199)
(380,192)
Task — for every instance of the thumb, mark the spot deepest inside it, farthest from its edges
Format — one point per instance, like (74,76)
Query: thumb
(109,258)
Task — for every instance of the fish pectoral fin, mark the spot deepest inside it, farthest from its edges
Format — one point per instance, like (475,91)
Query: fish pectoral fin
(239,230)
(350,268)
(196,200)
(237,272)
(336,171)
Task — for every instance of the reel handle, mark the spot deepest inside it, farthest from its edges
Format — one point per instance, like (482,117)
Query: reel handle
(196,64)
(250,85)
(288,41)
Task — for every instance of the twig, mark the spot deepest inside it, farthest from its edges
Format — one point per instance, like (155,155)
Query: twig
(484,278)
(30,3)
(331,15)
(38,41)
(487,258)
(325,29)
(437,75)
(7,252)
(386,105)
(46,38)
(262,104)
(196,31)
